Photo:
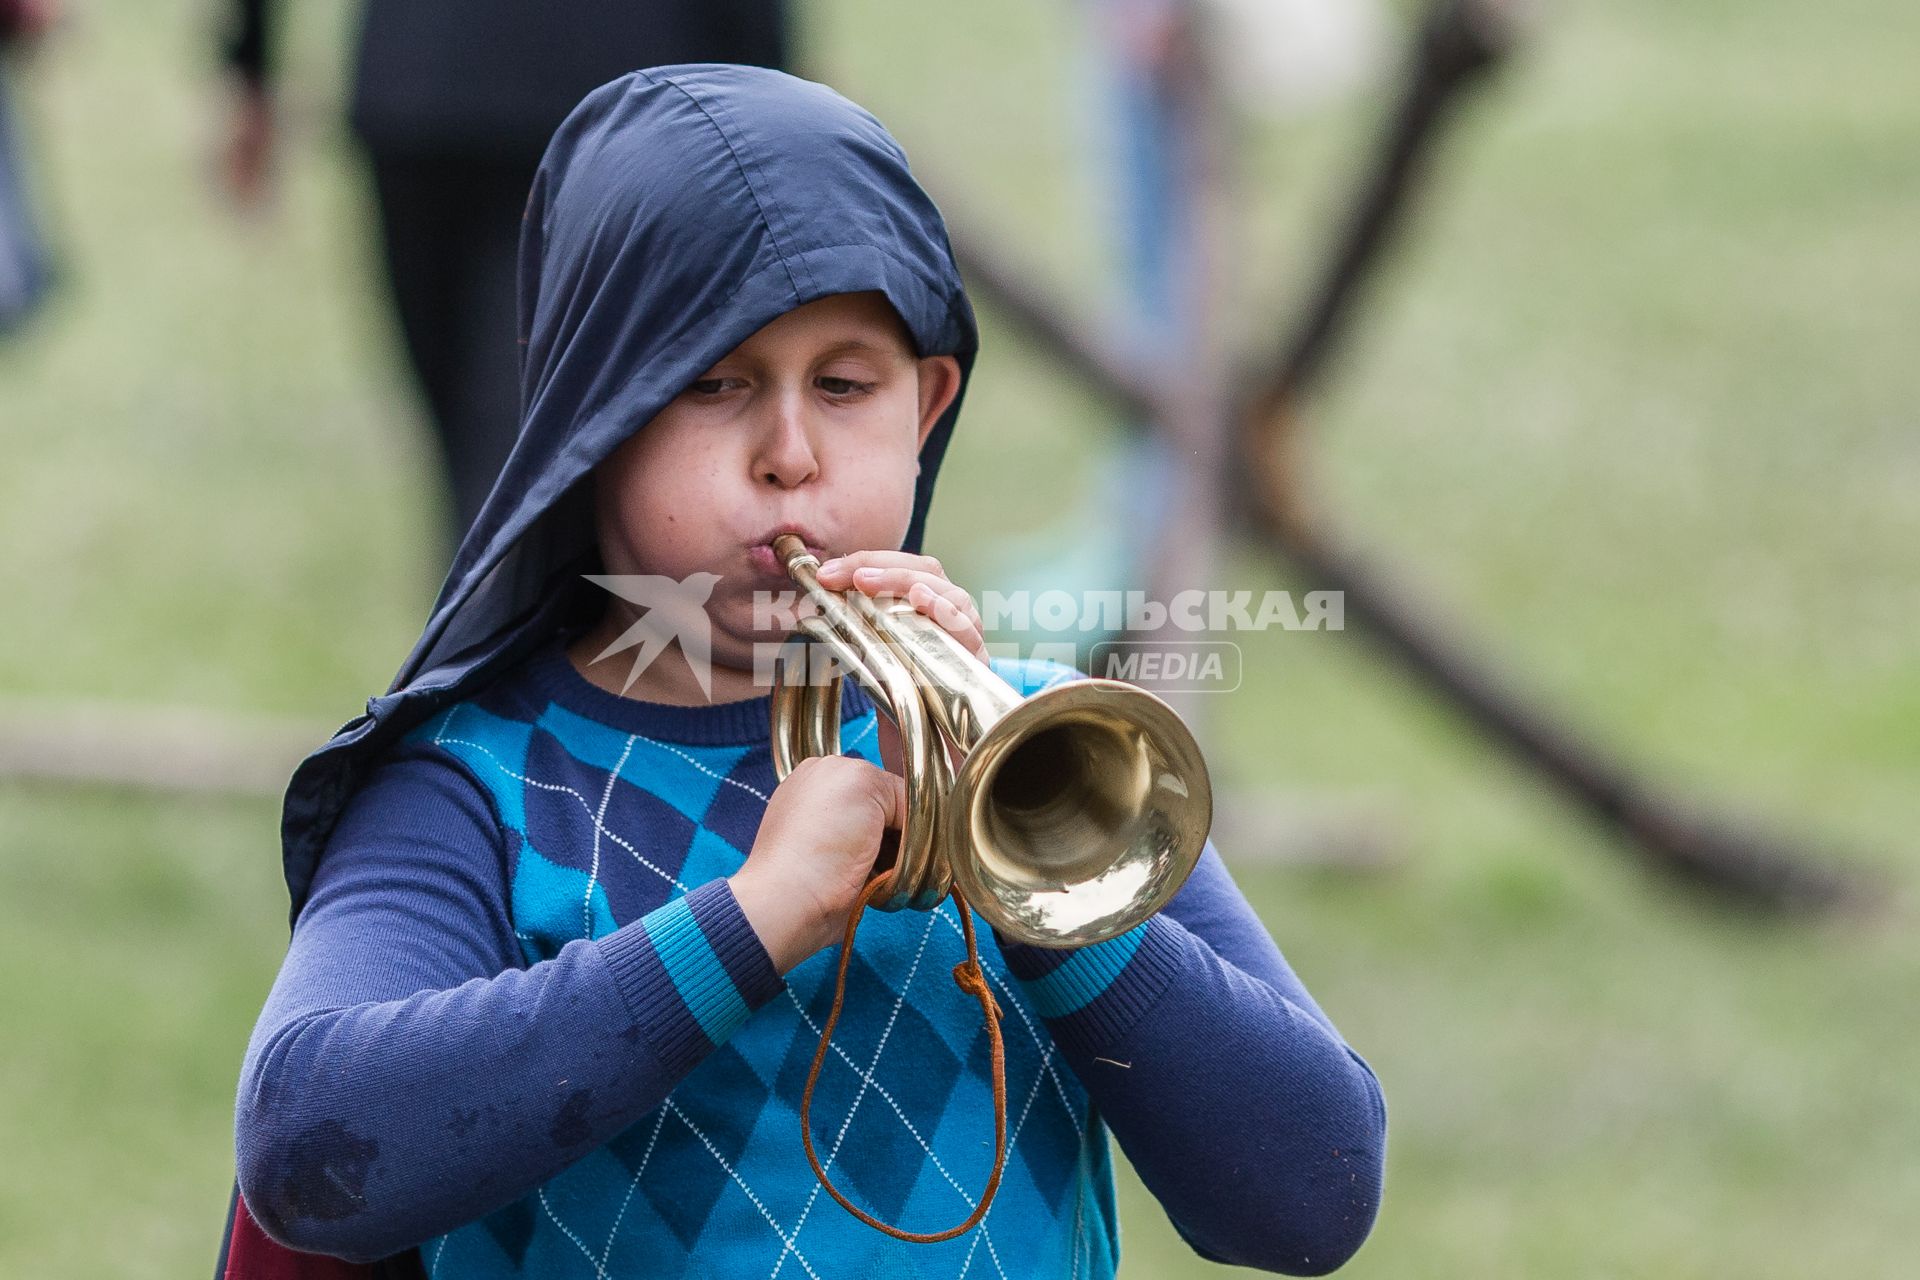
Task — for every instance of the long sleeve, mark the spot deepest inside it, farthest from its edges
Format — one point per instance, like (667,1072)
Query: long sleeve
(407,1074)
(1259,1131)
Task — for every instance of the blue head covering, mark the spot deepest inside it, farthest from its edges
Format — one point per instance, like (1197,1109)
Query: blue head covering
(677,210)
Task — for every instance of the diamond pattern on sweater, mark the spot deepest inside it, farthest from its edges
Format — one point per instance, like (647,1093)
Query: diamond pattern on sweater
(690,1170)
(512,1229)
(848,1116)
(715,1180)
(733,812)
(635,824)
(686,777)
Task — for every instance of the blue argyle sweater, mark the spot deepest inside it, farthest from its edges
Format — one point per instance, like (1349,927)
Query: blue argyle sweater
(524,1025)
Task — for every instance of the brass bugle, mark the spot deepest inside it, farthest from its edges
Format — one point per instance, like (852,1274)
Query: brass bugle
(1073,814)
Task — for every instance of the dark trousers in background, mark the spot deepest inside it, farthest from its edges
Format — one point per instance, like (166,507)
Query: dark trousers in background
(450,236)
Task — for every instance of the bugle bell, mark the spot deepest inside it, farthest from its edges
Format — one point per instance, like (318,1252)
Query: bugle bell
(1073,814)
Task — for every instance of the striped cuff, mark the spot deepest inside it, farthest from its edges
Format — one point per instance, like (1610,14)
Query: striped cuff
(691,971)
(1091,997)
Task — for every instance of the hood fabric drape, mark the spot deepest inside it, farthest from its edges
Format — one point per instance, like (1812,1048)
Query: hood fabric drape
(677,210)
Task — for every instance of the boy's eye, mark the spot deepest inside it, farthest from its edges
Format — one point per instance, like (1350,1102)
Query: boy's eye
(844,388)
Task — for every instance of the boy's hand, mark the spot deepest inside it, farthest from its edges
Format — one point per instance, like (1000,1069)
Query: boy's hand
(814,852)
(918,580)
(922,583)
(821,834)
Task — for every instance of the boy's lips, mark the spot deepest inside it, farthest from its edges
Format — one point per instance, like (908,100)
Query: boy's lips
(765,563)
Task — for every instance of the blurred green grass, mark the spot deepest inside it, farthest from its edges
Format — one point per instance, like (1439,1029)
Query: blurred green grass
(1636,405)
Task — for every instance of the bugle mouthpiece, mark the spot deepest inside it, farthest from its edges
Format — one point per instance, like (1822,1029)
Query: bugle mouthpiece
(789,547)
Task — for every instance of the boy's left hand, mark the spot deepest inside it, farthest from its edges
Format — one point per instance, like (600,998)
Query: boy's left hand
(919,581)
(922,583)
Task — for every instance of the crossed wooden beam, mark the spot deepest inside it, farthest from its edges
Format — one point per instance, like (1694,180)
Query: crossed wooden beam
(1239,446)
(1247,457)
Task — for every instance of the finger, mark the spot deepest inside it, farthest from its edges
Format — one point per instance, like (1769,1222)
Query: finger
(935,596)
(957,596)
(890,793)
(838,572)
(896,580)
(887,856)
(960,624)
(897,573)
(947,604)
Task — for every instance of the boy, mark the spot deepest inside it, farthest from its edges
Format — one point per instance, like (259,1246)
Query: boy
(556,982)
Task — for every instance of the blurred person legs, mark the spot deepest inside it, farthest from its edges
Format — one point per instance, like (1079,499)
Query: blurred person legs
(452,102)
(450,231)
(24,267)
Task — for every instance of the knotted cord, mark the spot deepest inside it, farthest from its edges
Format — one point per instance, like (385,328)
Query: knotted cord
(967,975)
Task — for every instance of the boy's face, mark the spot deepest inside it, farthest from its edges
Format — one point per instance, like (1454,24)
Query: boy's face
(813,422)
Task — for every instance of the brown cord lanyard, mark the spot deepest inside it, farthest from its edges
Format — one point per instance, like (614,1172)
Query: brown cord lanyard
(969,978)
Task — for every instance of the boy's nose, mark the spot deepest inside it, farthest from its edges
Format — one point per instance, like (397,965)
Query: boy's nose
(786,455)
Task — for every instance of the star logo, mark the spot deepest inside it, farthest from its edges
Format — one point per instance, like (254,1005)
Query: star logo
(676,609)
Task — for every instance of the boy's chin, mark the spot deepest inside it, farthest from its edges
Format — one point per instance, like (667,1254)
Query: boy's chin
(749,650)
(755,611)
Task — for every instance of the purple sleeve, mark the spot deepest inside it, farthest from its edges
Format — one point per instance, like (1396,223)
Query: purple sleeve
(409,1073)
(1260,1132)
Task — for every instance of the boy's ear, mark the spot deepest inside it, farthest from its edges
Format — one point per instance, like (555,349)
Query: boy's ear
(939,384)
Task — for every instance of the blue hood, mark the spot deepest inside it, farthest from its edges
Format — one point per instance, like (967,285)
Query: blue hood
(677,211)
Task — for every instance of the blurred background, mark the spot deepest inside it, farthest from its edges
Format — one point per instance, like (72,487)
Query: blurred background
(1628,408)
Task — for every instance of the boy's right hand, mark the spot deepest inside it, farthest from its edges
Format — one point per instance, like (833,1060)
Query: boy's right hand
(814,853)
